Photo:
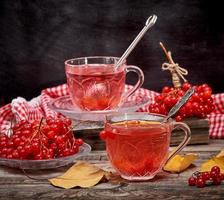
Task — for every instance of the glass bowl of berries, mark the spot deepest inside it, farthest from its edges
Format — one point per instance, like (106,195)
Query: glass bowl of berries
(43,144)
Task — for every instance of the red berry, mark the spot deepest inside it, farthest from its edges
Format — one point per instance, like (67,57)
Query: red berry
(186,86)
(195,97)
(200,183)
(168,101)
(23,138)
(3,155)
(207,88)
(51,134)
(35,147)
(166,89)
(180,93)
(3,144)
(156,110)
(75,149)
(162,109)
(217,180)
(178,118)
(216,169)
(53,146)
(103,135)
(9,151)
(174,100)
(26,132)
(16,141)
(182,110)
(60,155)
(38,157)
(48,156)
(159,98)
(3,138)
(206,176)
(51,152)
(64,129)
(191,181)
(23,153)
(45,141)
(112,134)
(61,146)
(4,150)
(209,101)
(66,152)
(56,127)
(9,156)
(68,122)
(49,120)
(59,139)
(19,148)
(222,176)
(207,94)
(213,174)
(79,142)
(15,154)
(46,129)
(10,144)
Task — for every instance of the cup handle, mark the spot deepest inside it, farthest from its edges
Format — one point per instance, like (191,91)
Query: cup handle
(138,71)
(185,141)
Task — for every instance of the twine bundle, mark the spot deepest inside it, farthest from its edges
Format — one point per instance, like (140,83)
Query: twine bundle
(176,71)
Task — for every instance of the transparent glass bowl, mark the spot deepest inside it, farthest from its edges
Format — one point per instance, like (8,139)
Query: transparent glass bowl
(46,164)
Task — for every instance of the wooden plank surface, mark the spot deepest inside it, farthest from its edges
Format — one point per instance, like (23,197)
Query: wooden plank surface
(15,185)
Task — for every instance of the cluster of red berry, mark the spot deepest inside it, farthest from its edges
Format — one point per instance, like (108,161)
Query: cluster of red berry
(199,105)
(45,139)
(201,179)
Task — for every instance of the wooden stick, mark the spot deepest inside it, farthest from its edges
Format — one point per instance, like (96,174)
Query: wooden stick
(166,53)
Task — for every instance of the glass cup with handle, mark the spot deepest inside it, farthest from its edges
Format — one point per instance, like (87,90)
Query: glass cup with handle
(137,144)
(96,84)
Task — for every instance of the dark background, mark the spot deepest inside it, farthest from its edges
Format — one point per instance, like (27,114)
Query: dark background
(36,37)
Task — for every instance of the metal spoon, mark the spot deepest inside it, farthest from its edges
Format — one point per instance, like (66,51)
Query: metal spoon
(180,103)
(149,23)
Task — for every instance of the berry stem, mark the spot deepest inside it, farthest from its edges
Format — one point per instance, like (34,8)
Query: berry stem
(166,53)
(39,134)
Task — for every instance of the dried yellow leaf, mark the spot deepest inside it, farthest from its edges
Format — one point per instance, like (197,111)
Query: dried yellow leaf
(218,160)
(220,154)
(81,174)
(179,163)
(206,166)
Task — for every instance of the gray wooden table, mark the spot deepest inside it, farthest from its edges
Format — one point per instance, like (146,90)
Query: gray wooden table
(15,185)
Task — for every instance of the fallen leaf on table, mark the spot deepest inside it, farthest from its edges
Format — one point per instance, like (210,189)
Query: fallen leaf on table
(179,163)
(220,154)
(114,178)
(215,161)
(81,174)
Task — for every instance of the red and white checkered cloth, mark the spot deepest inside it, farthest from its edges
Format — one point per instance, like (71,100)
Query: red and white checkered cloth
(38,107)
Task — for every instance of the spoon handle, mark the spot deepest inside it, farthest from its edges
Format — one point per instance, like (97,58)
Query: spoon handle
(149,23)
(180,103)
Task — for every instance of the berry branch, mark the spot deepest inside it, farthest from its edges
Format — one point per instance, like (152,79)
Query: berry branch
(41,139)
(199,105)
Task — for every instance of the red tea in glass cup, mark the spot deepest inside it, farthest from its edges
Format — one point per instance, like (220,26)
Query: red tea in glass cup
(95,84)
(137,144)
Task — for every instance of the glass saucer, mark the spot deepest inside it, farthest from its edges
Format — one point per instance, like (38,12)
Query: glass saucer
(46,164)
(64,106)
